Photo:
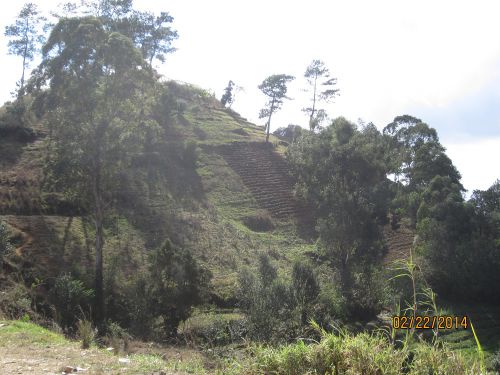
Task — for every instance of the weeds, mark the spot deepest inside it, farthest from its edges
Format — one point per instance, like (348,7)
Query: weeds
(86,332)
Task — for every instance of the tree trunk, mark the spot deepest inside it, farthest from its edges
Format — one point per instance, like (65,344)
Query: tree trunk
(269,120)
(24,58)
(314,105)
(99,313)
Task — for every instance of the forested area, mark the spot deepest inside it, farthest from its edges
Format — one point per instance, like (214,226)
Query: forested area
(139,164)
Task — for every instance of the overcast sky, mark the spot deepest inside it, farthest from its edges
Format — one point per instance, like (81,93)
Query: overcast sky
(436,60)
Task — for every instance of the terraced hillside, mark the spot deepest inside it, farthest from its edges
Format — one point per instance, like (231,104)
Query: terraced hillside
(399,243)
(200,200)
(265,173)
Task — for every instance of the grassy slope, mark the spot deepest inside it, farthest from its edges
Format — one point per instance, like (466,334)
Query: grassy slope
(205,216)
(211,223)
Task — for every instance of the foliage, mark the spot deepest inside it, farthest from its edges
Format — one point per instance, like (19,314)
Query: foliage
(97,114)
(274,87)
(278,310)
(317,74)
(214,329)
(15,302)
(17,120)
(460,240)
(69,297)
(25,37)
(117,336)
(260,222)
(344,353)
(415,156)
(150,33)
(290,134)
(227,97)
(177,283)
(86,332)
(305,289)
(341,171)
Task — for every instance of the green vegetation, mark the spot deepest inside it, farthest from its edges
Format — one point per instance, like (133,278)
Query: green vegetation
(274,87)
(318,77)
(24,36)
(138,209)
(344,353)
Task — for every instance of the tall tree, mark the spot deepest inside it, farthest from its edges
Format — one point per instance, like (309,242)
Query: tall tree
(155,36)
(318,77)
(341,171)
(274,87)
(25,37)
(95,107)
(152,34)
(415,156)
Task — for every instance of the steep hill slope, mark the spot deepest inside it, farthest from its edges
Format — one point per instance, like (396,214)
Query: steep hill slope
(215,174)
(199,194)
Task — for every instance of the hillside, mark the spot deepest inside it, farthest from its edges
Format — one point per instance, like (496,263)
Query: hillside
(211,185)
(236,180)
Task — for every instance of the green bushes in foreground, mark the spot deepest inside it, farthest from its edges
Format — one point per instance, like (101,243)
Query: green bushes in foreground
(358,354)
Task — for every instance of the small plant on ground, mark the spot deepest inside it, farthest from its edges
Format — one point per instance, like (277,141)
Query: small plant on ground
(86,332)
(117,337)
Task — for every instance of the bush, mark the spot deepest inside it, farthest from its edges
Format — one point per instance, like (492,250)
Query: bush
(69,297)
(86,332)
(214,329)
(260,222)
(177,283)
(277,310)
(117,337)
(15,302)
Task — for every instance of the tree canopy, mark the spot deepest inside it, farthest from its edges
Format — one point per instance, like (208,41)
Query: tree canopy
(275,88)
(25,36)
(318,77)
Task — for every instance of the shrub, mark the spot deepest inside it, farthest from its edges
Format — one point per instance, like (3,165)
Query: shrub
(69,296)
(117,337)
(275,310)
(260,222)
(214,329)
(177,283)
(15,302)
(86,332)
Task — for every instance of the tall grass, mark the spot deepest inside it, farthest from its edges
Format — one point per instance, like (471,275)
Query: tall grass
(369,354)
(479,349)
(86,332)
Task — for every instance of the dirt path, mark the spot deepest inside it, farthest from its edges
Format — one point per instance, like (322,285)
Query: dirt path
(29,349)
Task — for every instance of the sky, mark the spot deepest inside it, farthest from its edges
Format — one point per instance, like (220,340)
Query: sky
(436,60)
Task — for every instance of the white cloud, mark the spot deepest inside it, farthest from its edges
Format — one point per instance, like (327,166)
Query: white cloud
(477,162)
